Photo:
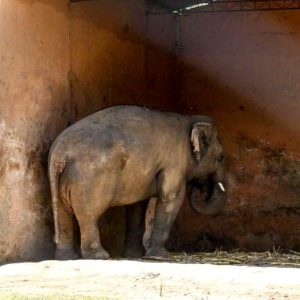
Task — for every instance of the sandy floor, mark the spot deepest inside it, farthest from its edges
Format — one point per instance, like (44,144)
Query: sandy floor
(145,280)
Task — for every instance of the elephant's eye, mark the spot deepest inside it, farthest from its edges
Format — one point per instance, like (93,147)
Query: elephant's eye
(220,157)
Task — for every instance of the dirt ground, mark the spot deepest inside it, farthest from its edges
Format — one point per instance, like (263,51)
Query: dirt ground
(179,279)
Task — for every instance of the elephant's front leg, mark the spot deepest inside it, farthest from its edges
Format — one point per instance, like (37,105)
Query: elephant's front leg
(168,205)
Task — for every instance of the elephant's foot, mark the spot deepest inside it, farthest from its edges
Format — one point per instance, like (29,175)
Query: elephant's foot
(66,254)
(134,251)
(98,253)
(158,254)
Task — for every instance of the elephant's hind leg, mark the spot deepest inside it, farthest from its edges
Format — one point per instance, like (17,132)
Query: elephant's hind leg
(90,240)
(65,247)
(134,247)
(89,204)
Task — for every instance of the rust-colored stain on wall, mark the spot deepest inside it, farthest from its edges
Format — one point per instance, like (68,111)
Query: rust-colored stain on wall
(243,69)
(62,62)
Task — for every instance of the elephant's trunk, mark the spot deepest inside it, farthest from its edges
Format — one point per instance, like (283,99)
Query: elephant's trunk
(210,198)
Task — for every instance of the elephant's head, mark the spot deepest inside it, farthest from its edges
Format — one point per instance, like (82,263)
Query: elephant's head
(207,187)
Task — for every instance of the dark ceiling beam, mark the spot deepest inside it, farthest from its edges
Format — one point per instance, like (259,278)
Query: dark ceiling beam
(156,3)
(164,4)
(175,4)
(159,4)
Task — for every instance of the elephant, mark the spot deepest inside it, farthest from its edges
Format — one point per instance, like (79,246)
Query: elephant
(123,156)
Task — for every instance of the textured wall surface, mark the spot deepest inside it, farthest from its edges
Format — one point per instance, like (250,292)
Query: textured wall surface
(60,63)
(244,69)
(34,106)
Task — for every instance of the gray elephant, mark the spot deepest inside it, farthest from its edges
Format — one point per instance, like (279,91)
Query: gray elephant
(124,155)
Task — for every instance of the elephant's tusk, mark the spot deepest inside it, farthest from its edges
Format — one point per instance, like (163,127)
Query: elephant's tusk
(221,186)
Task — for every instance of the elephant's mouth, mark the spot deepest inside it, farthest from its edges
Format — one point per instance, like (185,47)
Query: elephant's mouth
(201,190)
(207,197)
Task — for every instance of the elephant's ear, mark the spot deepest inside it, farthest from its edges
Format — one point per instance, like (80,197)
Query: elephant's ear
(200,138)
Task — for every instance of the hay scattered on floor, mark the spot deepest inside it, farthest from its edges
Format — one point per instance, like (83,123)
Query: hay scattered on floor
(291,259)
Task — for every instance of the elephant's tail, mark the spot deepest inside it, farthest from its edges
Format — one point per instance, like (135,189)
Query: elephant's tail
(55,168)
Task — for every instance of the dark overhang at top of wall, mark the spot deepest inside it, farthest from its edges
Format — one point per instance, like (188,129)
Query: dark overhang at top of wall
(168,4)
(187,6)
(172,4)
(176,4)
(196,6)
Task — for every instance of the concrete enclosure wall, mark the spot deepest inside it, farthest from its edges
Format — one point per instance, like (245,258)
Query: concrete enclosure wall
(62,62)
(243,69)
(34,108)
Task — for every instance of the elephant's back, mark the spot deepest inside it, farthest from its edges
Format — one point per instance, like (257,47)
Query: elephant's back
(123,129)
(125,116)
(103,130)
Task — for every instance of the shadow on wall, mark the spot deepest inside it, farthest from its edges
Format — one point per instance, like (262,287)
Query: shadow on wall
(263,202)
(231,71)
(112,61)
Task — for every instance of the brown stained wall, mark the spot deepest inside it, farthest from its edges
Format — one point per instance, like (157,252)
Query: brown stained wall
(244,69)
(34,108)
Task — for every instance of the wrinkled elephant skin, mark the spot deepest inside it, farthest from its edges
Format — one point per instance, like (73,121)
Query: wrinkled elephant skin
(125,155)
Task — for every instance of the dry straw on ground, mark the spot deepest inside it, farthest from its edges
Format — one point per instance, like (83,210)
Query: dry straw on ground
(269,258)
